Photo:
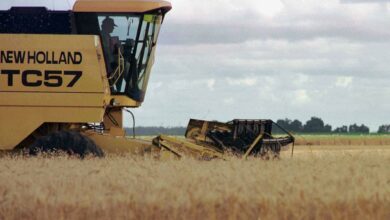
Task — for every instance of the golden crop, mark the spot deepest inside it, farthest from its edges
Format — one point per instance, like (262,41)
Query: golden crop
(318,183)
(343,140)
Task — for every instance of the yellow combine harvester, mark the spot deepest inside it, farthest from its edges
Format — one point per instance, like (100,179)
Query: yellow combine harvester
(67,76)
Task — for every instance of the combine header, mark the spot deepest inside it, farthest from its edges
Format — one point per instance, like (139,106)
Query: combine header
(66,77)
(242,138)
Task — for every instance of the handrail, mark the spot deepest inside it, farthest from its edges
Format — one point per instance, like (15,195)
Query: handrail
(119,70)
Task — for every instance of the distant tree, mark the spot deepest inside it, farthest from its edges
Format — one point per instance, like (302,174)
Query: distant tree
(327,129)
(316,125)
(353,128)
(362,129)
(342,129)
(365,129)
(289,125)
(383,129)
(296,126)
(284,123)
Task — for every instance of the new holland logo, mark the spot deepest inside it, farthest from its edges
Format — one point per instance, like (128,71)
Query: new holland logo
(38,78)
(40,57)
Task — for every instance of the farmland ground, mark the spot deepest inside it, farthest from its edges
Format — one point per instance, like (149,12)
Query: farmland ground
(343,140)
(323,182)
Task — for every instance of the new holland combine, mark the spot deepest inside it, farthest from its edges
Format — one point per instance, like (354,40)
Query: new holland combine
(66,77)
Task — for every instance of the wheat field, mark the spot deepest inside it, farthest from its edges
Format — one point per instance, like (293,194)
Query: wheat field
(317,183)
(343,140)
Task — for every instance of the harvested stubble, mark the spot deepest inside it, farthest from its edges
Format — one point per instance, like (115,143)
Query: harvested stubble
(343,140)
(324,185)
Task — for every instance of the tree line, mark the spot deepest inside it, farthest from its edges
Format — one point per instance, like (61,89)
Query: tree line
(313,125)
(317,125)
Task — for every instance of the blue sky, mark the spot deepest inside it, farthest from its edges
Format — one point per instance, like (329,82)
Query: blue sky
(219,60)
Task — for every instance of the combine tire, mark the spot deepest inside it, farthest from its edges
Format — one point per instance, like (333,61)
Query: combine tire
(69,142)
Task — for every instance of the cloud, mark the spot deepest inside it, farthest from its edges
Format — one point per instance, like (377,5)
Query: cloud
(243,63)
(291,20)
(211,84)
(248,81)
(343,81)
(301,97)
(364,1)
(267,8)
(229,101)
(301,80)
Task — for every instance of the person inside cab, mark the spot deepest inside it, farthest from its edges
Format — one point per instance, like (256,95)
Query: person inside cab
(111,46)
(109,43)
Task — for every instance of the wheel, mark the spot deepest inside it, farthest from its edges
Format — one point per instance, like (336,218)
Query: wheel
(70,142)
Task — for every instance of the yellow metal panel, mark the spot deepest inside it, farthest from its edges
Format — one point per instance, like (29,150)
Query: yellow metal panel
(121,100)
(121,145)
(18,122)
(113,118)
(51,99)
(185,148)
(120,5)
(38,70)
(44,54)
(35,87)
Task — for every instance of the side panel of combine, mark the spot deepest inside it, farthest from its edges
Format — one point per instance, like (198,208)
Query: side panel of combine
(49,78)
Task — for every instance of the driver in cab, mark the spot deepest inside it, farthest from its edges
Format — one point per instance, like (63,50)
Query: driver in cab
(109,43)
